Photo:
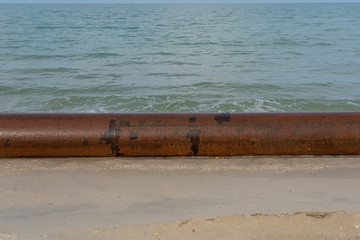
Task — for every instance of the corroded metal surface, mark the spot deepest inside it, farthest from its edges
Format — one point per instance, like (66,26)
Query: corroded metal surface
(223,134)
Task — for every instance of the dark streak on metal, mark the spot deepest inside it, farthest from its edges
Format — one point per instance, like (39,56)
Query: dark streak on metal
(124,124)
(7,143)
(112,137)
(194,136)
(85,141)
(192,119)
(225,117)
(134,135)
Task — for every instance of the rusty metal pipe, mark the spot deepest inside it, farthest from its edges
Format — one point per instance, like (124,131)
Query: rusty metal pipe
(96,135)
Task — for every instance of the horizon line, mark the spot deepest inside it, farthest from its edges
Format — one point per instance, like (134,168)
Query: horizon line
(179,3)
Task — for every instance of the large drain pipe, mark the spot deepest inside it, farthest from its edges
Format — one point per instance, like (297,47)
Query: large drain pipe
(121,135)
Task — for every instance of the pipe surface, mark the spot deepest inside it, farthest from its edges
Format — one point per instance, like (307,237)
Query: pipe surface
(223,134)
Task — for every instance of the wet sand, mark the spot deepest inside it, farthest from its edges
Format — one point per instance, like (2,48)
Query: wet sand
(168,198)
(311,225)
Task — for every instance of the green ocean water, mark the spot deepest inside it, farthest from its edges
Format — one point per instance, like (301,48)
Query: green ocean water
(180,58)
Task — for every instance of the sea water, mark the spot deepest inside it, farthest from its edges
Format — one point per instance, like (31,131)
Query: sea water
(180,58)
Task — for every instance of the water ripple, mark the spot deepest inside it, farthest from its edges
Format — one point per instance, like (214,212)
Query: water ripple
(180,58)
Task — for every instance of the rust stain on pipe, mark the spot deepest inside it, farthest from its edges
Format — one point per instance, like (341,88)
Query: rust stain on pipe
(96,135)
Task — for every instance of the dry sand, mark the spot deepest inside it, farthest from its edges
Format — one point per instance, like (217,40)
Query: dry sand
(180,198)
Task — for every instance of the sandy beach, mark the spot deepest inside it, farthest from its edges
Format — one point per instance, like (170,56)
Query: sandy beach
(180,198)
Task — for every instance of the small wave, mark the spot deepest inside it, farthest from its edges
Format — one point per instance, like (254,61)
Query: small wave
(113,75)
(179,63)
(320,84)
(162,53)
(131,28)
(50,27)
(112,27)
(87,76)
(288,42)
(101,55)
(333,29)
(173,74)
(44,70)
(237,53)
(132,62)
(320,44)
(38,56)
(353,103)
(195,44)
(232,44)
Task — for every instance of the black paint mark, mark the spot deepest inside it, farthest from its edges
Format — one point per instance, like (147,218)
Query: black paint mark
(165,138)
(112,137)
(7,143)
(85,141)
(134,135)
(192,119)
(124,123)
(225,117)
(194,136)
